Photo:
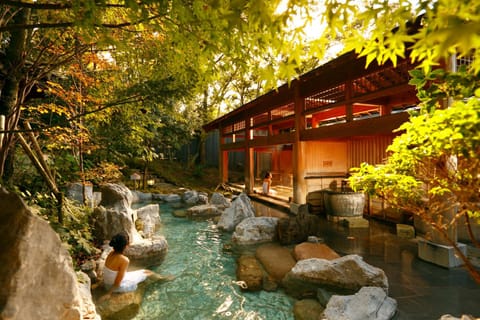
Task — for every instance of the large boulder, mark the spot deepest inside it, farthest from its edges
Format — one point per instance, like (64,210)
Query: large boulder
(275,259)
(116,196)
(115,214)
(37,279)
(345,275)
(109,222)
(119,217)
(240,209)
(249,271)
(368,303)
(255,230)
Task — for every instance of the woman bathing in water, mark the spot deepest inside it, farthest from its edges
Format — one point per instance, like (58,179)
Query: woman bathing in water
(267,182)
(116,278)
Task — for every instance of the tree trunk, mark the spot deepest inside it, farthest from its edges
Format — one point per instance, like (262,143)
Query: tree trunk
(45,172)
(13,63)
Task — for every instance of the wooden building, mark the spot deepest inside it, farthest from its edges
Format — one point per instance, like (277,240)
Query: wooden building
(311,132)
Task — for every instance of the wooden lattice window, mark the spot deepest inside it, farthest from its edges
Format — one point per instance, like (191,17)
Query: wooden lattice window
(227,129)
(325,97)
(381,79)
(259,119)
(283,111)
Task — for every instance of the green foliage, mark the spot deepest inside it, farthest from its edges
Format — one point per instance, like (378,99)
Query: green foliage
(382,30)
(437,155)
(75,233)
(103,172)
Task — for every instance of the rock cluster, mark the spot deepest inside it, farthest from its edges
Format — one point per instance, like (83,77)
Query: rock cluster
(36,273)
(327,285)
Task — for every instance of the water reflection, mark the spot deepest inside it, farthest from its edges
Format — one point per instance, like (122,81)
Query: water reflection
(205,284)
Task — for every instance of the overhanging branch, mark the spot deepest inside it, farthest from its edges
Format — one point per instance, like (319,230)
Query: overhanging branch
(12,27)
(53,6)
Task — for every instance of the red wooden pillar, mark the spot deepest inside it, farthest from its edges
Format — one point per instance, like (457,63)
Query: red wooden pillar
(348,98)
(223,165)
(249,165)
(223,158)
(298,152)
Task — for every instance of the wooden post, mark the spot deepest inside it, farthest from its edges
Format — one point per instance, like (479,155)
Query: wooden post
(223,166)
(249,178)
(222,158)
(348,99)
(298,153)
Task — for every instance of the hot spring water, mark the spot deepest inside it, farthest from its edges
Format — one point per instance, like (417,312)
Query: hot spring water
(204,286)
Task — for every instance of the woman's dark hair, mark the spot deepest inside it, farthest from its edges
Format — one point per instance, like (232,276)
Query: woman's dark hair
(119,242)
(267,175)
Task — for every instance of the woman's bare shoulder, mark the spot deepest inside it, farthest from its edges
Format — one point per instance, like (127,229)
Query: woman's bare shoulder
(115,261)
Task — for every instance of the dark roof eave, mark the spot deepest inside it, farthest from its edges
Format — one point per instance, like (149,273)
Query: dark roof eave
(215,124)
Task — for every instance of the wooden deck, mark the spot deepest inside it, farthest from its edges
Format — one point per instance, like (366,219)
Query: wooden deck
(280,201)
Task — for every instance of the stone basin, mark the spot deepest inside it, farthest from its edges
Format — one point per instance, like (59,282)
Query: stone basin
(344,202)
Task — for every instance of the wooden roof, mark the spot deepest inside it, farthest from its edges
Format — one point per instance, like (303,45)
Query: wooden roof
(372,85)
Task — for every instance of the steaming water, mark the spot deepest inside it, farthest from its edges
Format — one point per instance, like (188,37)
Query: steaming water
(204,285)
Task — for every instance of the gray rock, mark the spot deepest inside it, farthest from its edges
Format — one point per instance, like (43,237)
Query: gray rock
(345,275)
(89,268)
(255,230)
(190,197)
(114,195)
(173,198)
(149,216)
(159,197)
(138,196)
(148,252)
(84,288)
(202,198)
(110,221)
(368,303)
(240,209)
(203,211)
(219,200)
(37,279)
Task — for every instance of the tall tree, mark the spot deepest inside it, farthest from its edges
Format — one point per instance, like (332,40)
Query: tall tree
(42,36)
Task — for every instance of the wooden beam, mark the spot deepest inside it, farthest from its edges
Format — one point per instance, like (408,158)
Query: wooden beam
(365,127)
